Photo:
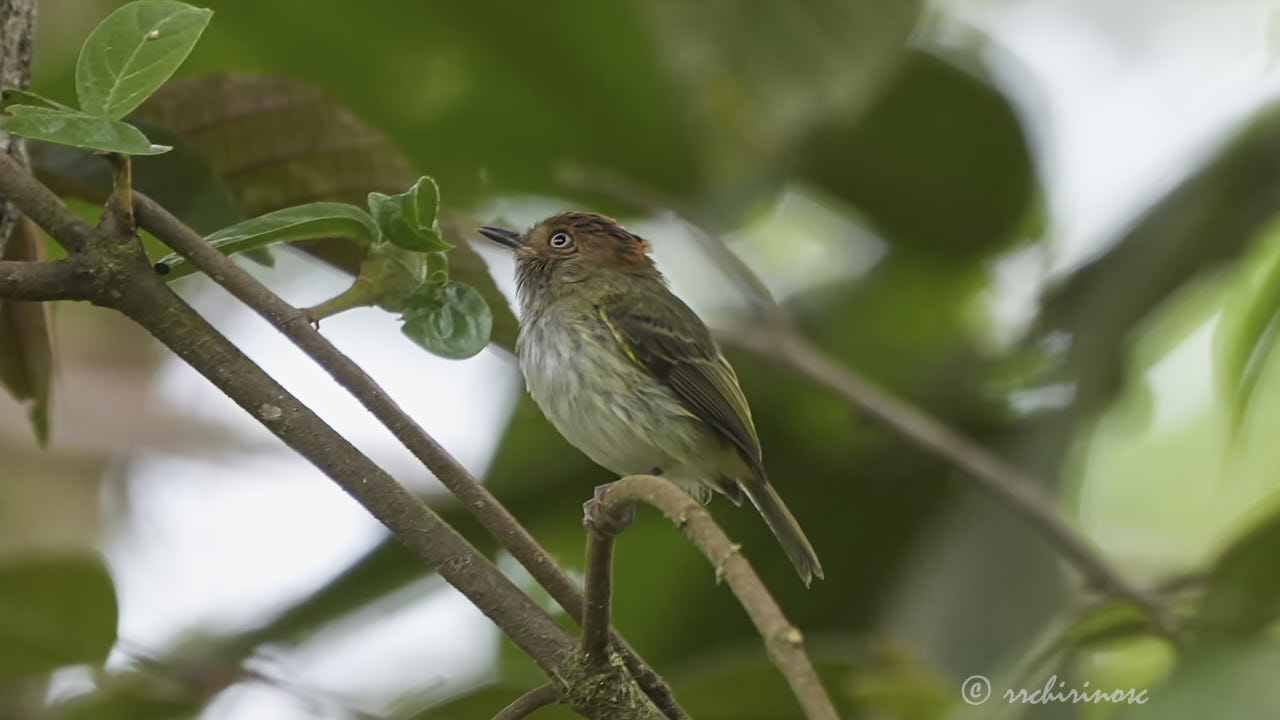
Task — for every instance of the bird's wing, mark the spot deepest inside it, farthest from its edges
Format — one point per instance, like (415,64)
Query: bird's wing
(677,348)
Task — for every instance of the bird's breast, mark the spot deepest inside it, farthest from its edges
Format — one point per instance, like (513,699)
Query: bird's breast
(598,398)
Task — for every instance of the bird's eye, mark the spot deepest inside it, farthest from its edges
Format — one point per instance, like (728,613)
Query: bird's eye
(560,240)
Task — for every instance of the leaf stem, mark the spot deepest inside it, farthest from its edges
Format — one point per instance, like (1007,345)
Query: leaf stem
(361,294)
(120,205)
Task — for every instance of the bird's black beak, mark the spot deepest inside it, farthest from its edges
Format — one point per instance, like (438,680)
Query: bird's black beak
(502,236)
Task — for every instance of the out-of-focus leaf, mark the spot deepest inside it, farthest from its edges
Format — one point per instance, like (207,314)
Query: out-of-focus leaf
(15,96)
(1236,681)
(54,611)
(1112,620)
(277,142)
(79,130)
(1140,664)
(409,219)
(314,220)
(899,685)
(129,708)
(451,321)
(133,695)
(938,138)
(1202,223)
(1243,596)
(1246,331)
(26,349)
(133,51)
(742,89)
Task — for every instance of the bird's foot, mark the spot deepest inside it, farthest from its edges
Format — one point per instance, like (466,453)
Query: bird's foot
(596,514)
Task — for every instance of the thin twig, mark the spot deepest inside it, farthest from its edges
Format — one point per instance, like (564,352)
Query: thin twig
(530,702)
(495,518)
(45,280)
(782,640)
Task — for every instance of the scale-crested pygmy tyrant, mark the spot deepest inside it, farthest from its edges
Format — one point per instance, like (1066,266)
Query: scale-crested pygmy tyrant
(629,374)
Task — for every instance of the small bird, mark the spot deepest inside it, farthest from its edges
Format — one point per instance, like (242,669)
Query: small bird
(628,373)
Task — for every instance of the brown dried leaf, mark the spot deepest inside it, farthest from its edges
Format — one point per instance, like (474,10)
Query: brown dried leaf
(26,351)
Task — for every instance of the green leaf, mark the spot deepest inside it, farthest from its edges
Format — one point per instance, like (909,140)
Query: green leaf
(1245,334)
(55,612)
(437,268)
(313,220)
(79,130)
(1244,588)
(901,154)
(1231,680)
(451,320)
(392,274)
(133,52)
(409,219)
(15,96)
(1111,620)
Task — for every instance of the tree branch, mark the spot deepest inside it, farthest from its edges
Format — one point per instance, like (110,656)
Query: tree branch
(527,704)
(783,641)
(602,527)
(58,280)
(17,26)
(598,587)
(123,279)
(495,518)
(40,204)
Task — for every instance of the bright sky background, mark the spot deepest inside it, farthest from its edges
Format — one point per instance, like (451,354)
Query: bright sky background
(1120,97)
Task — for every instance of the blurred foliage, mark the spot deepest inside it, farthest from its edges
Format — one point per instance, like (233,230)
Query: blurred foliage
(54,611)
(719,105)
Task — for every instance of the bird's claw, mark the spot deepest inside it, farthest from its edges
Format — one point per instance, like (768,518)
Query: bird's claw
(597,515)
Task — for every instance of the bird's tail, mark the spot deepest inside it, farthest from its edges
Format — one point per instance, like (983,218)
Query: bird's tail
(785,528)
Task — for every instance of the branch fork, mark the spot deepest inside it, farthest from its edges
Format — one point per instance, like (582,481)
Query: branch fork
(612,509)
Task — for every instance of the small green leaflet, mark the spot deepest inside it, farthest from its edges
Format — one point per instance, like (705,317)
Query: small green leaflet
(452,321)
(409,219)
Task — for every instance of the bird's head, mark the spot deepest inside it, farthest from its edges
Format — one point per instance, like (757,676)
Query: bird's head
(569,248)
